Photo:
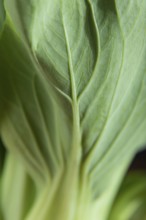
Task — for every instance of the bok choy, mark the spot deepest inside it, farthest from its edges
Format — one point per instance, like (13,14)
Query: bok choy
(72,106)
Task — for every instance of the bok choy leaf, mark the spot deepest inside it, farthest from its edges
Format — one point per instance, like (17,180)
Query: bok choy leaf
(72,102)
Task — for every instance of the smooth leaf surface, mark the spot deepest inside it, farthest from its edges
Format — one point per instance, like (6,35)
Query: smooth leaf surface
(2,15)
(131,199)
(16,188)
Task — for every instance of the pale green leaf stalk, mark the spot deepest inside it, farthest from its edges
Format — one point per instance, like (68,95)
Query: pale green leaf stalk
(72,104)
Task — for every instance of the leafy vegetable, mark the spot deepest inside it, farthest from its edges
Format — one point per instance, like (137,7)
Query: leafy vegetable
(72,104)
(131,200)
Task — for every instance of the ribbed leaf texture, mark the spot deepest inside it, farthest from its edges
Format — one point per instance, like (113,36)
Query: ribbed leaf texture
(72,104)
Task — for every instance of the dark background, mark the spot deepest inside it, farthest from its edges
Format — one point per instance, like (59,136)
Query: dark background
(139,162)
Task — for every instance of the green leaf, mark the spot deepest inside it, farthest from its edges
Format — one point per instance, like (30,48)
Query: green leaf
(73,84)
(2,15)
(17,190)
(29,109)
(91,55)
(131,199)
